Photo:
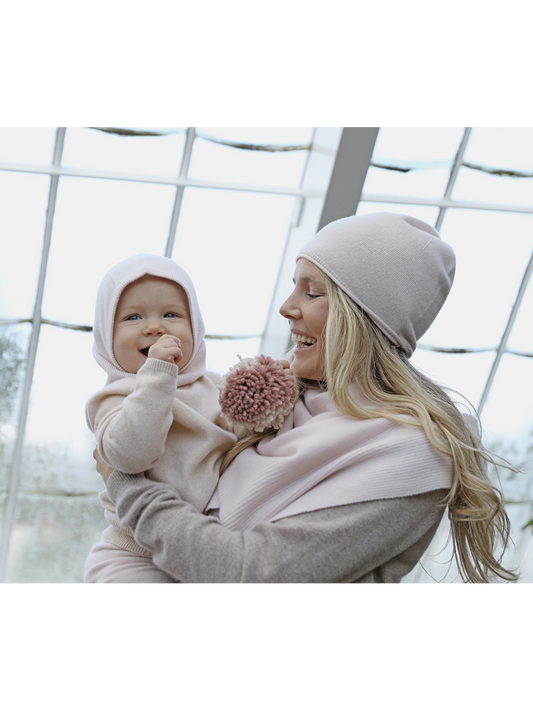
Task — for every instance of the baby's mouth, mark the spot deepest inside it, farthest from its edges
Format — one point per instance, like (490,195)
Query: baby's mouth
(145,351)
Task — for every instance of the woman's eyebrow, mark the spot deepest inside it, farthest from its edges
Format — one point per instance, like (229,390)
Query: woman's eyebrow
(308,280)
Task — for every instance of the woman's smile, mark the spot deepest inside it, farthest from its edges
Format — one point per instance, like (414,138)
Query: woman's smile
(303,341)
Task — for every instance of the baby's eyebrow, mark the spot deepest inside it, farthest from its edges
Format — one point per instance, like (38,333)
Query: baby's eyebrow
(129,307)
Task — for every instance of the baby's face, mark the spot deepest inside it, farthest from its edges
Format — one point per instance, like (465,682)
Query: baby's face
(147,309)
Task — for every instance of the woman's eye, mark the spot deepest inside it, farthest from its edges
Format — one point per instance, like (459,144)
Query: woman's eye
(313,296)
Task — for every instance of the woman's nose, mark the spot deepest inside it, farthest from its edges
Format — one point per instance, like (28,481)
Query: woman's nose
(288,309)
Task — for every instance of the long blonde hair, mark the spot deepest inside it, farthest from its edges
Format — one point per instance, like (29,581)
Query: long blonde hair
(357,349)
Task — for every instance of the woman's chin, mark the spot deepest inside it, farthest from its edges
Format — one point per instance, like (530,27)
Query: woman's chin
(310,372)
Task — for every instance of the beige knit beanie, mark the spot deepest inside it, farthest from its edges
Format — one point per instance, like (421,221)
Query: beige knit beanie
(393,266)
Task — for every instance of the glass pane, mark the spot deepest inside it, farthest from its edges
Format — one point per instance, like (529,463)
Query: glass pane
(487,276)
(27,145)
(417,144)
(508,423)
(465,373)
(420,183)
(430,150)
(97,224)
(521,338)
(52,537)
(508,413)
(501,148)
(427,213)
(509,148)
(231,243)
(272,135)
(58,446)
(152,155)
(13,349)
(22,220)
(211,161)
(483,188)
(58,516)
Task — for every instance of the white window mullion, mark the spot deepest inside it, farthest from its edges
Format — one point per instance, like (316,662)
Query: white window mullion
(13,475)
(506,334)
(458,162)
(184,170)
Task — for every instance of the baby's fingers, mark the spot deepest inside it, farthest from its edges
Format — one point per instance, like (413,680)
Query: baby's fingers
(168,340)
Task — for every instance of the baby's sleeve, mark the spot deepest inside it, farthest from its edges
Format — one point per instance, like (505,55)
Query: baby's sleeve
(131,418)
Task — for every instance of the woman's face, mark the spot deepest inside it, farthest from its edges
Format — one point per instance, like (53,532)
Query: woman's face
(307,312)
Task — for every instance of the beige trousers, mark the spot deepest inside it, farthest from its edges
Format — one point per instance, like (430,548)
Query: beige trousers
(108,563)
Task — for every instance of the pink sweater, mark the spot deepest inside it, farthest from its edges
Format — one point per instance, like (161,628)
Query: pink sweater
(321,458)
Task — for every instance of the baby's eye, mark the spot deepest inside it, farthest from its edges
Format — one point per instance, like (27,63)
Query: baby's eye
(172,314)
(132,317)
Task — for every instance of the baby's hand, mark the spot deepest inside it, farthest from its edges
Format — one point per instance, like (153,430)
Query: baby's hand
(166,348)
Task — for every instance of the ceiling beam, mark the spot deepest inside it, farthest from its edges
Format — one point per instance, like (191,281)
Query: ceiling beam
(349,173)
(333,180)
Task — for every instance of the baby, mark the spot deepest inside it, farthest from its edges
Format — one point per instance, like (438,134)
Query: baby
(159,410)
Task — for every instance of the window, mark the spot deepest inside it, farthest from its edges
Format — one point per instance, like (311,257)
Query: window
(218,201)
(232,206)
(476,187)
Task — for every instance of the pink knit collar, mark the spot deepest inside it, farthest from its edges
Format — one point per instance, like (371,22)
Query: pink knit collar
(322,458)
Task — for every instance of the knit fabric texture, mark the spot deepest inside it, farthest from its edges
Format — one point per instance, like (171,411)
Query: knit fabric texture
(393,266)
(322,458)
(256,394)
(164,420)
(107,298)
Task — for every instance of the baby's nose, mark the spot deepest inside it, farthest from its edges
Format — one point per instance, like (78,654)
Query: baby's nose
(154,326)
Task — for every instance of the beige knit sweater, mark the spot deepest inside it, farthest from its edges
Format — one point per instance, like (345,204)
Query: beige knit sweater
(176,435)
(366,542)
(160,420)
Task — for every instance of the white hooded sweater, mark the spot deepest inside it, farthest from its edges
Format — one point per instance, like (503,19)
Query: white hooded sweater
(163,420)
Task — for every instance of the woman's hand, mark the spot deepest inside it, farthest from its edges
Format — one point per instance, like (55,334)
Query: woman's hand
(285,365)
(103,468)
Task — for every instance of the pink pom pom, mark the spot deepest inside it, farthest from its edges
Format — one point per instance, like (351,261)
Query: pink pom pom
(257,393)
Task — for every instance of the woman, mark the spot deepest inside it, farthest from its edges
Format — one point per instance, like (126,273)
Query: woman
(354,484)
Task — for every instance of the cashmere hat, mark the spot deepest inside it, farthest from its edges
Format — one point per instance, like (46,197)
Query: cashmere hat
(395,267)
(107,298)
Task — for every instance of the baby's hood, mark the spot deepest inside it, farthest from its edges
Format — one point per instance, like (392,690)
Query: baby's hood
(112,286)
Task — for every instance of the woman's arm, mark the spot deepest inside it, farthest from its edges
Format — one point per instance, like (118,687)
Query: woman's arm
(370,541)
